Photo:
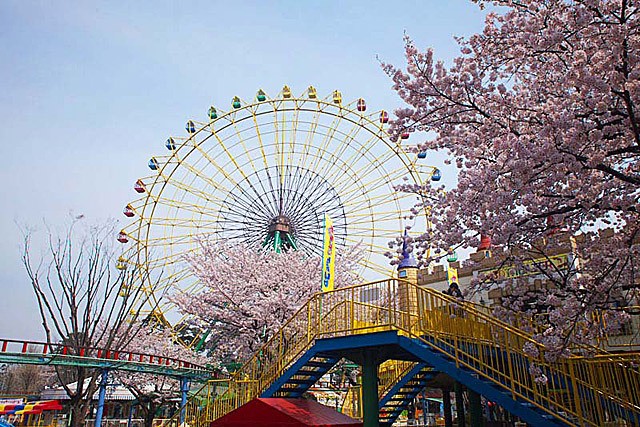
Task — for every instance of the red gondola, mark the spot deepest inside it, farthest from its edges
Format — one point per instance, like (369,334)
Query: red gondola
(361,106)
(139,186)
(384,117)
(122,237)
(128,211)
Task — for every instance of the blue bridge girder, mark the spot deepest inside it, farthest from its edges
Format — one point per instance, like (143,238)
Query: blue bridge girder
(391,345)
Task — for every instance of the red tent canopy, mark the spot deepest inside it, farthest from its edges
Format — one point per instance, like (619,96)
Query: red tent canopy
(279,412)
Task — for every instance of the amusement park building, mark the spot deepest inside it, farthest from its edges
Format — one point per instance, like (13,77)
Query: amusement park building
(561,254)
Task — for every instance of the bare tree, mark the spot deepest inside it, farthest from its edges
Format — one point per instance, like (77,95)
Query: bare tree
(83,300)
(23,379)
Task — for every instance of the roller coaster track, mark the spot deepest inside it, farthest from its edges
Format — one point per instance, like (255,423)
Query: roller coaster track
(42,353)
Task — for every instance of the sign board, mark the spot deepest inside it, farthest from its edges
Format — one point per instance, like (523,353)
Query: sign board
(530,268)
(452,275)
(328,256)
(11,401)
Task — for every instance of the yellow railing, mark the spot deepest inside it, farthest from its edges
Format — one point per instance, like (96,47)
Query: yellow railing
(389,373)
(352,403)
(608,384)
(628,335)
(578,389)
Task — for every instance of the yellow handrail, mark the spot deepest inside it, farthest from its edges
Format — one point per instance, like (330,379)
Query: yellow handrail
(604,386)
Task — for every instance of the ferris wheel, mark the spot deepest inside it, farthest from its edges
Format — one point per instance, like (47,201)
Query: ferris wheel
(264,173)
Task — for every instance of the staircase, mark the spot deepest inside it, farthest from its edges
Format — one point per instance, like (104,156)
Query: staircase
(300,376)
(403,392)
(461,340)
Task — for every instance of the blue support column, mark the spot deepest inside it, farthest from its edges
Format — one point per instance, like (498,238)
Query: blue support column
(104,378)
(425,406)
(134,403)
(184,389)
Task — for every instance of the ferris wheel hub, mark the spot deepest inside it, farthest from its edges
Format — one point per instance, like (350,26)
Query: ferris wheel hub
(280,223)
(280,237)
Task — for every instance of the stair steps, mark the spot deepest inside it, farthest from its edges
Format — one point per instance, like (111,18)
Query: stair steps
(301,376)
(403,393)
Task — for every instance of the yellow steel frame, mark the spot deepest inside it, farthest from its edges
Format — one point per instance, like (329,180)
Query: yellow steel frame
(184,197)
(440,321)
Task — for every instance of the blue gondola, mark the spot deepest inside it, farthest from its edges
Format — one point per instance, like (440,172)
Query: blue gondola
(436,175)
(422,155)
(153,164)
(190,127)
(171,144)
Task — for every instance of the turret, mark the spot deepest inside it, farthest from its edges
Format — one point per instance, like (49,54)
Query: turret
(408,267)
(408,272)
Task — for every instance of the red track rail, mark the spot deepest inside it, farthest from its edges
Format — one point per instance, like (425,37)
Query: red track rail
(35,348)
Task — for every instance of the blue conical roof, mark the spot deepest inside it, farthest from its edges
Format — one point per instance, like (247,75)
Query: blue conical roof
(408,260)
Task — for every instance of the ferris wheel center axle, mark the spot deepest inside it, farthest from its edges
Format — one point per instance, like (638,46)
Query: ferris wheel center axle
(280,223)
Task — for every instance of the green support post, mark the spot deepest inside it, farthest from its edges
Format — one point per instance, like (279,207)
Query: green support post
(291,241)
(475,409)
(277,242)
(446,407)
(459,405)
(202,340)
(370,389)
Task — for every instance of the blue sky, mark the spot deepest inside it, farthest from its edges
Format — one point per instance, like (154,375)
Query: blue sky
(90,90)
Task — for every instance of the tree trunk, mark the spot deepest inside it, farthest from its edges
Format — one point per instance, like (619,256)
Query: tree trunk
(78,409)
(149,414)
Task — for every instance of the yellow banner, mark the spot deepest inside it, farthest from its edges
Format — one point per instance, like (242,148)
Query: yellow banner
(328,255)
(452,275)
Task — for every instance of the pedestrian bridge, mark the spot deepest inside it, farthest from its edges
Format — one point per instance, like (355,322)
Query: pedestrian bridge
(423,333)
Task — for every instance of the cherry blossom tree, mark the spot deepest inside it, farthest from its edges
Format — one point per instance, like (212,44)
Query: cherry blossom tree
(539,113)
(249,293)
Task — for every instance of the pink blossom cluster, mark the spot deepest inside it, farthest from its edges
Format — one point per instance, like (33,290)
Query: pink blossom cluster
(539,114)
(249,293)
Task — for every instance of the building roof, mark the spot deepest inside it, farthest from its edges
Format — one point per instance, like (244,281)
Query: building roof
(408,260)
(114,392)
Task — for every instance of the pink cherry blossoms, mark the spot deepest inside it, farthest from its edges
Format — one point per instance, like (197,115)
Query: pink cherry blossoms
(249,293)
(540,115)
